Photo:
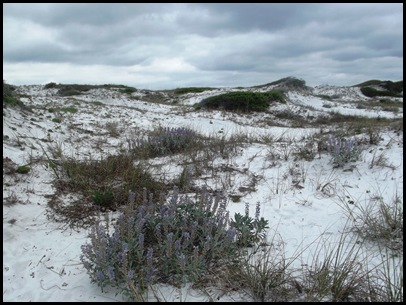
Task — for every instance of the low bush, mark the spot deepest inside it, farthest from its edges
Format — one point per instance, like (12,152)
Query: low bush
(170,241)
(237,101)
(343,150)
(164,141)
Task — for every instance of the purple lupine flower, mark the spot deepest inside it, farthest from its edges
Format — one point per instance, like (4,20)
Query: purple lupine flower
(140,224)
(186,238)
(169,237)
(150,274)
(257,211)
(196,253)
(247,209)
(100,276)
(141,242)
(182,261)
(124,245)
(231,233)
(177,245)
(111,273)
(130,274)
(120,257)
(158,232)
(150,254)
(193,229)
(87,265)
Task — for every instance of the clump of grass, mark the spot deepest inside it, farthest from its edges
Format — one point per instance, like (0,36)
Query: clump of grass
(264,273)
(161,241)
(378,221)
(337,274)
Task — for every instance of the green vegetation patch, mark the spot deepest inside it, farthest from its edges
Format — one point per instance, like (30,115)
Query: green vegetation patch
(243,101)
(128,90)
(192,90)
(23,169)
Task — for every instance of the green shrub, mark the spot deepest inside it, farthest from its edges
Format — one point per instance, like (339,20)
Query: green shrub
(128,90)
(192,90)
(23,169)
(50,85)
(57,120)
(371,92)
(238,101)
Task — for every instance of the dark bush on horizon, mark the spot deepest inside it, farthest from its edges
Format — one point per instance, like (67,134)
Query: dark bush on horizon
(242,101)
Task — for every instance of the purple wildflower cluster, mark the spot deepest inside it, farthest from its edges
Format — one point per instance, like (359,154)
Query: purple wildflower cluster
(343,150)
(165,141)
(161,242)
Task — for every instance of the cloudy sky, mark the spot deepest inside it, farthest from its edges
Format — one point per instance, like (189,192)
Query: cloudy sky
(165,46)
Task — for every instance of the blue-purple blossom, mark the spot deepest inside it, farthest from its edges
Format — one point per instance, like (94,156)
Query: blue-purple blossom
(99,276)
(158,231)
(150,254)
(124,245)
(177,245)
(150,274)
(257,211)
(247,209)
(120,257)
(130,274)
(111,273)
(141,242)
(182,260)
(231,233)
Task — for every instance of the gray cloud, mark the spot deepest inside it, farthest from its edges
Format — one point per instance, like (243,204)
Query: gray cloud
(163,46)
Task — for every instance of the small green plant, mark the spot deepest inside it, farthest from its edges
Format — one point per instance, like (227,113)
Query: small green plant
(103,199)
(249,230)
(69,109)
(23,169)
(57,120)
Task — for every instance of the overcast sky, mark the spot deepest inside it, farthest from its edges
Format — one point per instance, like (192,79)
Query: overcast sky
(166,46)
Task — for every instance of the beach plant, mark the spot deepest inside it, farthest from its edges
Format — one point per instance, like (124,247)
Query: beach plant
(23,169)
(378,221)
(250,231)
(343,150)
(164,141)
(337,272)
(168,240)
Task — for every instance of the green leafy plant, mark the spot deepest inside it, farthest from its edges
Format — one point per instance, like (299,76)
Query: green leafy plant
(23,169)
(249,230)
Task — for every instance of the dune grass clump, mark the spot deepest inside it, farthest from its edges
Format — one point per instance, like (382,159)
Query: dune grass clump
(109,179)
(171,241)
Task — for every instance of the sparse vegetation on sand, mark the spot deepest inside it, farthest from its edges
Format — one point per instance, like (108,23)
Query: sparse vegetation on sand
(240,194)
